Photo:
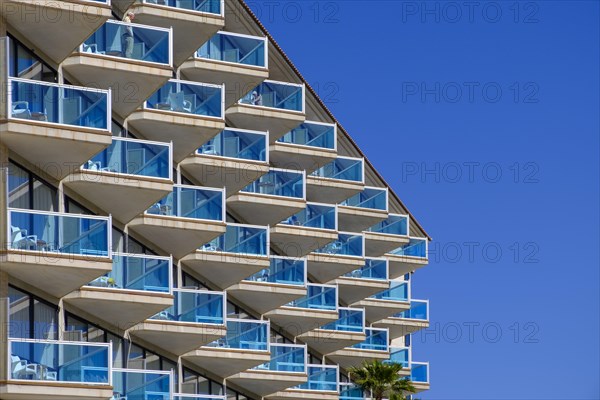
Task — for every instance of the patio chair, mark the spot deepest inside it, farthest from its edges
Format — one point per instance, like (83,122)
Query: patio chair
(21,240)
(20,109)
(91,48)
(179,103)
(21,368)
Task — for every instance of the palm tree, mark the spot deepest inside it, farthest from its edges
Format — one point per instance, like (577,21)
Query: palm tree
(381,380)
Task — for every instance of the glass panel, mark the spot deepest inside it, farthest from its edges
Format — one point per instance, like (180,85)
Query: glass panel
(285,359)
(59,104)
(60,233)
(313,135)
(415,248)
(376,340)
(279,183)
(346,245)
(240,240)
(283,96)
(399,356)
(252,335)
(18,187)
(190,98)
(347,169)
(137,273)
(314,216)
(191,202)
(137,385)
(195,306)
(375,199)
(59,362)
(237,144)
(351,320)
(133,157)
(207,6)
(373,269)
(235,49)
(419,372)
(321,378)
(285,271)
(351,392)
(127,40)
(398,291)
(318,297)
(393,225)
(418,310)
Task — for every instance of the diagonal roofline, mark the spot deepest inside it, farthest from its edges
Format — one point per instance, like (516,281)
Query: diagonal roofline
(322,104)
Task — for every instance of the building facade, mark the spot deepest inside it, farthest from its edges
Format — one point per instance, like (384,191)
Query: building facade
(182,217)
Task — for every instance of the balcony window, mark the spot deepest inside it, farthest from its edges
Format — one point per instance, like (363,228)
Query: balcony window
(195,306)
(137,272)
(373,269)
(244,334)
(59,104)
(59,233)
(377,340)
(313,135)
(234,143)
(318,216)
(398,291)
(285,358)
(419,310)
(415,248)
(130,41)
(346,169)
(239,239)
(205,6)
(319,297)
(393,225)
(351,320)
(278,182)
(234,48)
(137,384)
(188,98)
(191,202)
(346,245)
(372,198)
(351,392)
(321,378)
(134,157)
(279,95)
(283,271)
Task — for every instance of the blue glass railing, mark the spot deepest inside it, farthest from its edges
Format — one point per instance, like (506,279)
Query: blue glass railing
(191,202)
(235,143)
(399,356)
(198,397)
(62,233)
(375,268)
(279,182)
(311,134)
(350,391)
(342,168)
(205,6)
(284,271)
(244,334)
(134,157)
(372,198)
(419,372)
(133,41)
(319,216)
(346,245)
(74,362)
(377,339)
(393,225)
(129,384)
(320,297)
(235,48)
(398,291)
(195,306)
(241,239)
(189,98)
(322,378)
(417,247)
(137,272)
(419,309)
(59,104)
(351,320)
(285,358)
(280,95)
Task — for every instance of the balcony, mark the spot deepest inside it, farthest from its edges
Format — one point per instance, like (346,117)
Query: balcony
(408,258)
(138,287)
(136,170)
(287,368)
(184,219)
(56,252)
(387,235)
(317,308)
(308,147)
(134,60)
(388,302)
(178,396)
(141,384)
(274,107)
(336,181)
(374,347)
(246,345)
(402,356)
(195,318)
(271,198)
(337,258)
(363,282)
(322,384)
(238,61)
(408,321)
(241,251)
(38,21)
(363,210)
(309,229)
(185,113)
(266,290)
(55,370)
(348,330)
(55,127)
(193,22)
(419,376)
(232,159)
(349,391)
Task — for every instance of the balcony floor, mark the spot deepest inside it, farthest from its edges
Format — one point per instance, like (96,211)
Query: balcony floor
(377,244)
(350,357)
(331,191)
(225,362)
(400,327)
(265,119)
(296,320)
(351,290)
(326,341)
(323,267)
(298,241)
(356,219)
(263,209)
(299,158)
(263,296)
(402,265)
(45,390)
(265,382)
(378,309)
(297,394)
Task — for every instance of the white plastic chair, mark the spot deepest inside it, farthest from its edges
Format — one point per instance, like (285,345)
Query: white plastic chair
(22,368)
(179,103)
(21,240)
(20,109)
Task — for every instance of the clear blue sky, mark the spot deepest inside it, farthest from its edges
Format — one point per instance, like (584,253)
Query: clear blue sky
(501,158)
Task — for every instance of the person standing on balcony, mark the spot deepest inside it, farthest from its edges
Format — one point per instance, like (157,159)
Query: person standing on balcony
(127,38)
